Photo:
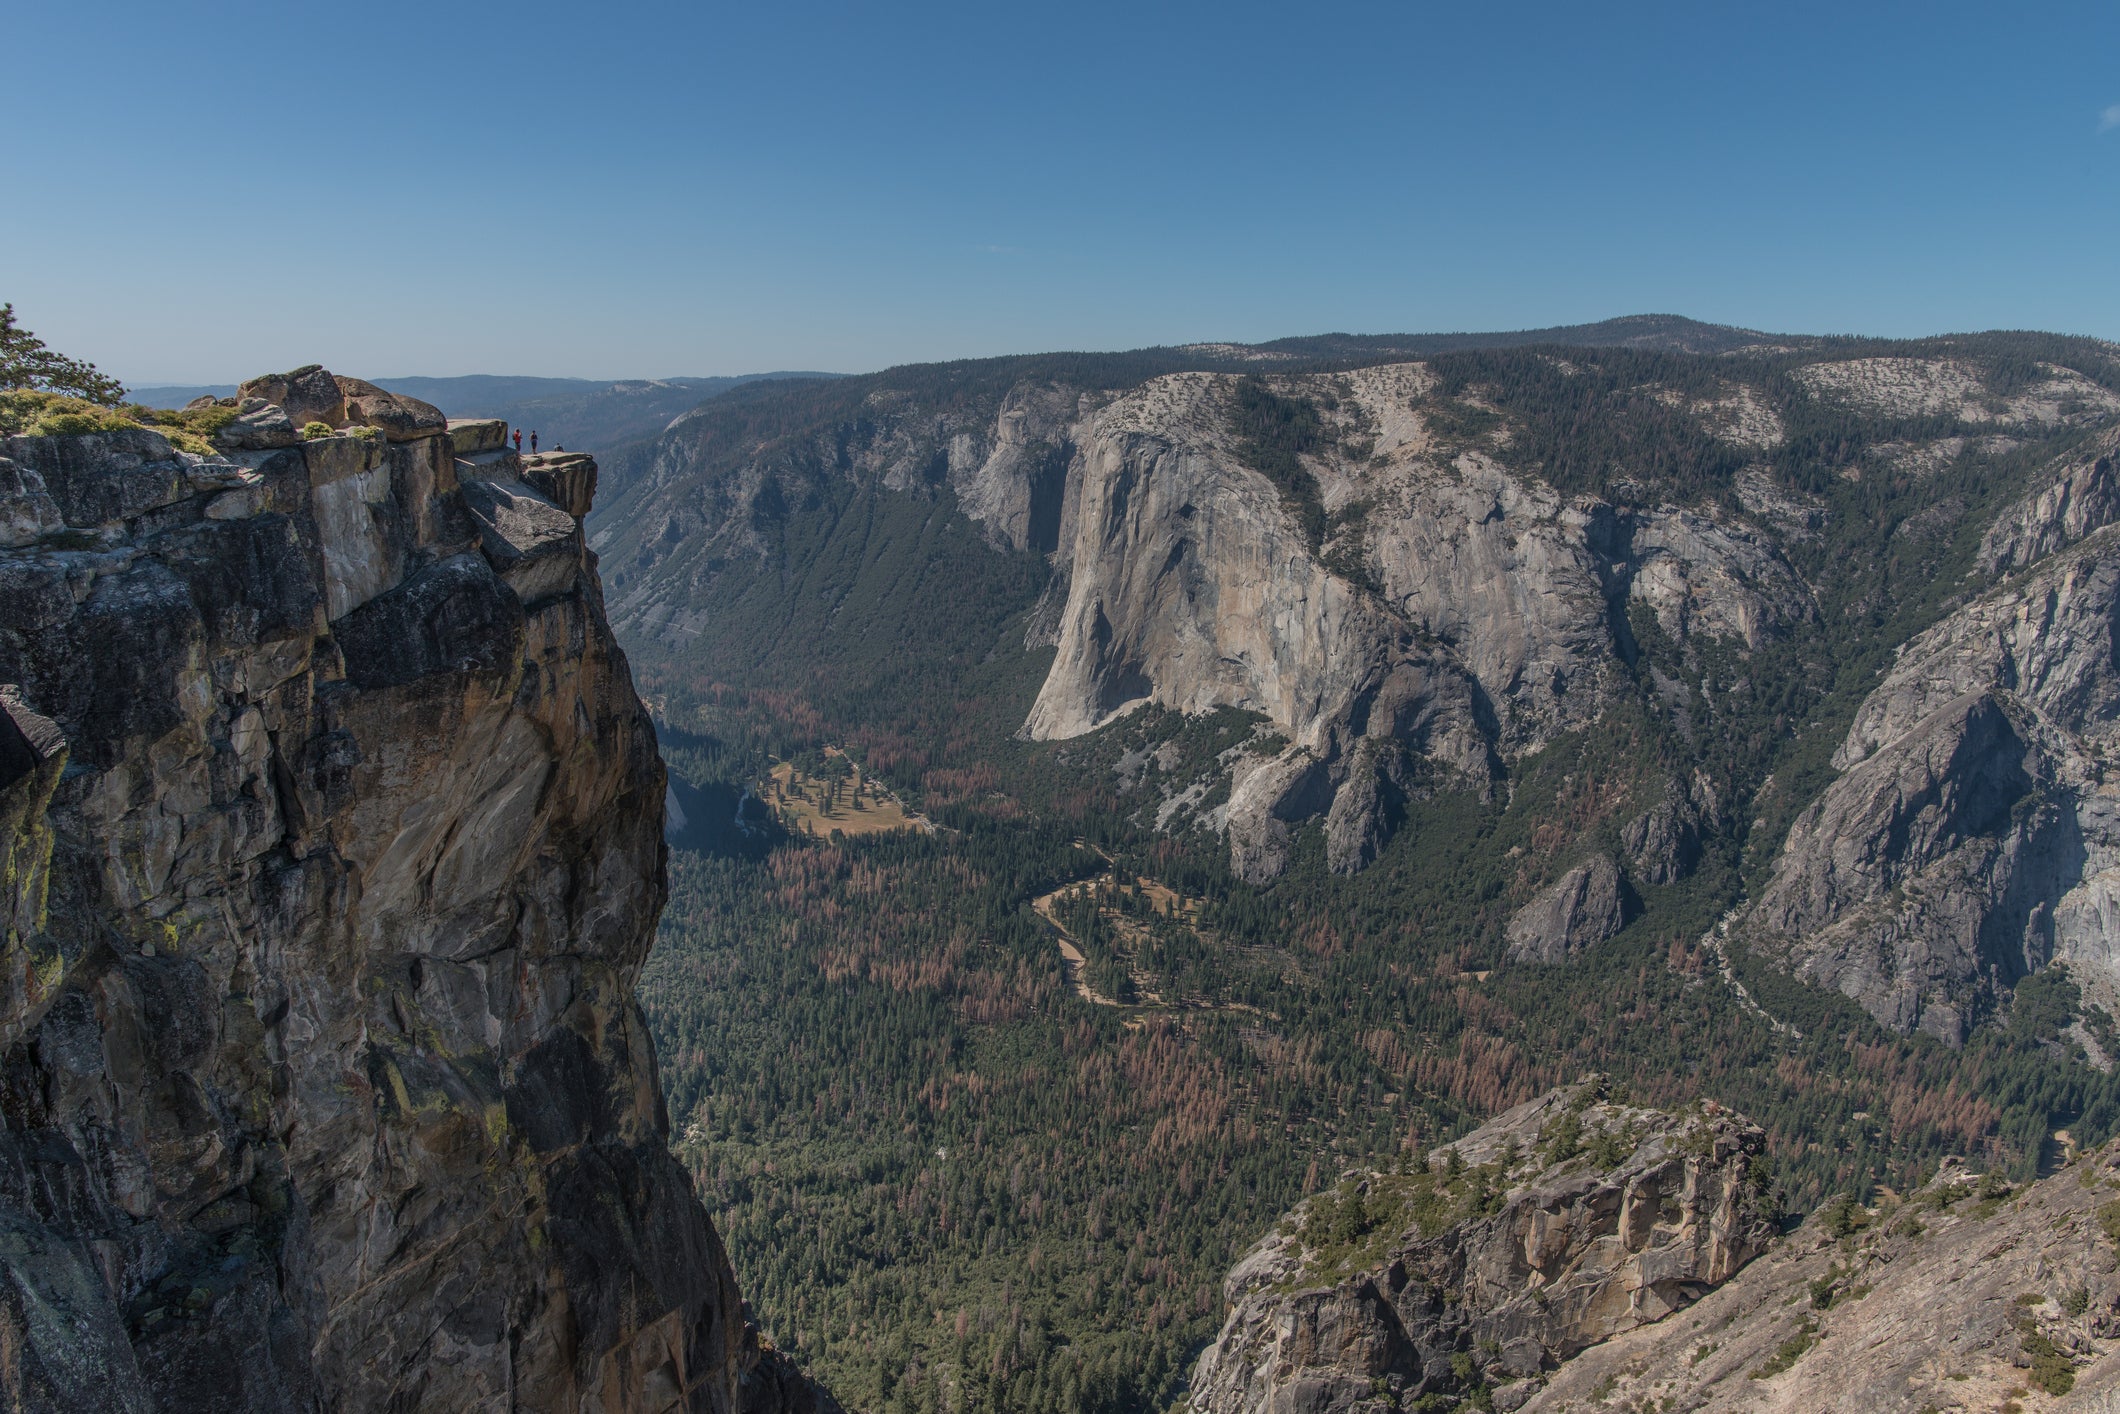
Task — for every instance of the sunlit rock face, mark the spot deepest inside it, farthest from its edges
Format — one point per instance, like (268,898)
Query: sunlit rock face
(1973,835)
(1558,1224)
(1465,617)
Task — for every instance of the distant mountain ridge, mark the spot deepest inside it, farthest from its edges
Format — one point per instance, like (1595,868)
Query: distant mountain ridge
(1665,333)
(585,414)
(592,415)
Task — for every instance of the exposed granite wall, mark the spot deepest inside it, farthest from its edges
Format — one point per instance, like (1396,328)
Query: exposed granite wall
(1551,1228)
(1464,616)
(1973,835)
(333,836)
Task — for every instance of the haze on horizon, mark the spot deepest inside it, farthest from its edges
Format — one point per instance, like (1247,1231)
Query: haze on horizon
(654,190)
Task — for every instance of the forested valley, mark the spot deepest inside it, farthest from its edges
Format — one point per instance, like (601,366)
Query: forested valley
(951,1182)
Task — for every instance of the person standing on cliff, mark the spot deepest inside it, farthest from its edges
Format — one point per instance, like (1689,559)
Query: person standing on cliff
(533,444)
(518,440)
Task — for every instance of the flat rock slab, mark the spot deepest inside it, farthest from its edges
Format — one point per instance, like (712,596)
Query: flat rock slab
(534,545)
(477,434)
(567,478)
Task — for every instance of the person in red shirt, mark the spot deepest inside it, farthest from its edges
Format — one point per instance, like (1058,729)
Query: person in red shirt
(518,439)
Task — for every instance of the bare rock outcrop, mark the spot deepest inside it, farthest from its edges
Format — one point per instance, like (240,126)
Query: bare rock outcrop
(1555,1226)
(1664,842)
(332,833)
(2082,496)
(1193,588)
(307,394)
(1707,578)
(1473,615)
(314,394)
(1018,490)
(1579,910)
(1956,388)
(259,426)
(1973,836)
(1973,1293)
(1420,611)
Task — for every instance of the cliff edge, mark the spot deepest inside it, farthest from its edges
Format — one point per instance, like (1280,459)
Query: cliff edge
(330,848)
(1467,1280)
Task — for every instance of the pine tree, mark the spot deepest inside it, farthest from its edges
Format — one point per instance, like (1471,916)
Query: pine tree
(26,364)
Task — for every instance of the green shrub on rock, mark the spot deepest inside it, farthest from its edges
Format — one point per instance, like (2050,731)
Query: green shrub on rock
(41,413)
(35,413)
(2052,1370)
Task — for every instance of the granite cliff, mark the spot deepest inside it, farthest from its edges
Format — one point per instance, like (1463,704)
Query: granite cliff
(1453,615)
(1972,836)
(1551,708)
(1420,577)
(332,850)
(1557,1225)
(1637,1264)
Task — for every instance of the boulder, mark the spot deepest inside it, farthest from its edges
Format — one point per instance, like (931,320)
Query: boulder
(567,478)
(477,434)
(400,418)
(308,394)
(259,427)
(532,544)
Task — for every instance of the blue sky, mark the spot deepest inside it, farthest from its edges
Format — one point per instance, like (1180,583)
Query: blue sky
(197,192)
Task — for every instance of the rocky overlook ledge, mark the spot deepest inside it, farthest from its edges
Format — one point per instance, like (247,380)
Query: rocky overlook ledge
(330,848)
(1465,1280)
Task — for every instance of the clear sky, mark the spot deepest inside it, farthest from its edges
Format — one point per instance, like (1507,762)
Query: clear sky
(202,191)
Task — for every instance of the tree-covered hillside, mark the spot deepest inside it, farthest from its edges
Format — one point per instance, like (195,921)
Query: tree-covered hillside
(950,1178)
